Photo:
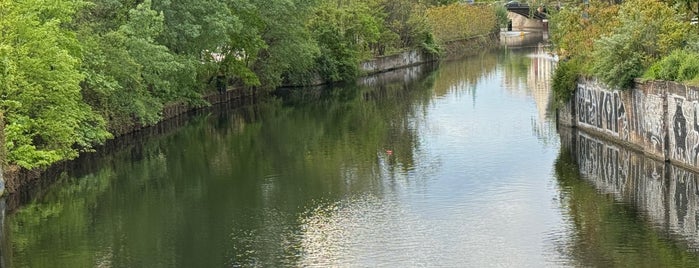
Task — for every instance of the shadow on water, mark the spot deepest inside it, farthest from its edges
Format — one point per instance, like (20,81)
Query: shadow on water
(627,209)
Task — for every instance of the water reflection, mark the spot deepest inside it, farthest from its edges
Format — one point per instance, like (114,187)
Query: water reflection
(455,167)
(627,208)
(523,39)
(245,173)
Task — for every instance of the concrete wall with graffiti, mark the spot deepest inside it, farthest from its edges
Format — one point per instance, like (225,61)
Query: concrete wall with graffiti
(604,110)
(683,106)
(657,117)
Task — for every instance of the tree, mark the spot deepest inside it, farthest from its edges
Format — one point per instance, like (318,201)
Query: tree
(290,51)
(128,75)
(575,28)
(46,118)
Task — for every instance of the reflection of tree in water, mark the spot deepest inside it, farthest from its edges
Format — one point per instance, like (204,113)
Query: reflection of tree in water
(515,67)
(606,232)
(463,75)
(234,179)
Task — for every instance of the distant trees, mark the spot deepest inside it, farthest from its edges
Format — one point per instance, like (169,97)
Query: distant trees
(73,72)
(457,21)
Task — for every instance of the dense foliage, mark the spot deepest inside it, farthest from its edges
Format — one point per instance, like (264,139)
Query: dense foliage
(643,36)
(458,21)
(45,116)
(681,65)
(76,72)
(620,42)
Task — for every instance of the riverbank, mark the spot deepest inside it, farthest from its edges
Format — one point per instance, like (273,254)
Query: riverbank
(22,184)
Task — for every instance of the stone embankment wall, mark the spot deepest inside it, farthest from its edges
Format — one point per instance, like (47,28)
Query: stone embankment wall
(452,50)
(659,118)
(401,60)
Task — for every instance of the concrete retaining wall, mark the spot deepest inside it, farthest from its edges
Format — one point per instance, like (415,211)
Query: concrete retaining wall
(659,118)
(452,50)
(387,63)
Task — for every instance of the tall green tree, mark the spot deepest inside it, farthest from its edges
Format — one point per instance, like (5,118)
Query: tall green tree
(128,75)
(290,51)
(205,33)
(46,118)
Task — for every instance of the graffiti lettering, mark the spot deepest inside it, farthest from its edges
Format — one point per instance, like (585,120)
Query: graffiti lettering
(603,110)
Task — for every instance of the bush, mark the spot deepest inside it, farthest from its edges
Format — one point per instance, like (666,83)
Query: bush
(648,29)
(689,69)
(565,79)
(681,66)
(501,16)
(667,68)
(618,61)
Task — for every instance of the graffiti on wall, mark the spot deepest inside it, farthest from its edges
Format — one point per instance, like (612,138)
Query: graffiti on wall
(685,131)
(602,109)
(652,121)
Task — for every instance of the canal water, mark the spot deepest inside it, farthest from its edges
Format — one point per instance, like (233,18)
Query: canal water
(456,165)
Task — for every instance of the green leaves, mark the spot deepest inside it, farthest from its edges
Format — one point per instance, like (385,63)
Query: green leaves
(648,29)
(458,21)
(71,70)
(143,23)
(618,43)
(681,65)
(565,80)
(46,120)
(129,76)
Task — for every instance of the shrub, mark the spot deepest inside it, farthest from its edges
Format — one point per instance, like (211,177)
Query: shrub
(565,79)
(689,69)
(668,67)
(681,66)
(617,61)
(648,29)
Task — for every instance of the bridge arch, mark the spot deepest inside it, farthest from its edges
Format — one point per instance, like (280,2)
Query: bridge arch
(524,17)
(520,22)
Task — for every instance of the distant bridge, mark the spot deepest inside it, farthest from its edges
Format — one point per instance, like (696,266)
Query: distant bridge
(526,11)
